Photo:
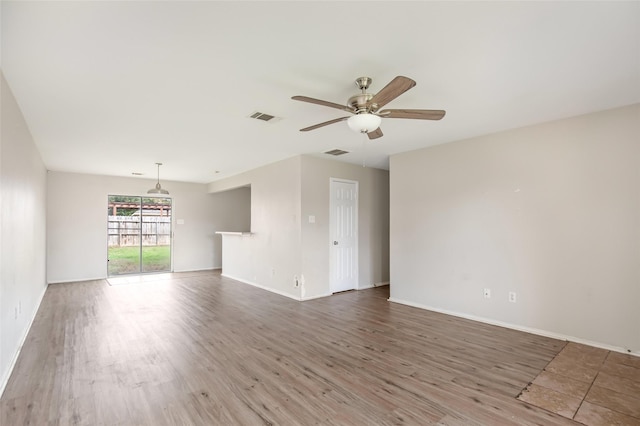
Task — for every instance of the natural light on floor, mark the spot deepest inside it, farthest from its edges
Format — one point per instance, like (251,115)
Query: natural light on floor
(137,279)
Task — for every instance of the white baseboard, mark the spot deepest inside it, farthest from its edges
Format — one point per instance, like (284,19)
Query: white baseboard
(272,290)
(14,360)
(536,331)
(374,285)
(320,296)
(212,268)
(281,293)
(77,280)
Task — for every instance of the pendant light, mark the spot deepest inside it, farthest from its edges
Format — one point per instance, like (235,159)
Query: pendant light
(158,189)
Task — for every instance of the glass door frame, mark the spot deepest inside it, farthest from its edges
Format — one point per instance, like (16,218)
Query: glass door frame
(135,207)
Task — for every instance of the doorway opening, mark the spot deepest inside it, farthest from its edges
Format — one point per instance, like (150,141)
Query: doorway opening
(139,235)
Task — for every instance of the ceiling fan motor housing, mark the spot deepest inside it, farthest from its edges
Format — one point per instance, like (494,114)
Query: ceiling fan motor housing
(359,103)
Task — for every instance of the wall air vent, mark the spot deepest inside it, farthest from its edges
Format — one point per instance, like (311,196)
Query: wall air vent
(264,117)
(336,152)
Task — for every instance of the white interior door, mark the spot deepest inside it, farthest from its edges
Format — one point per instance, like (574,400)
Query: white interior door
(344,235)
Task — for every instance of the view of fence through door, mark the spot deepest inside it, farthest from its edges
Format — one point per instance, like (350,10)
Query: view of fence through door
(139,234)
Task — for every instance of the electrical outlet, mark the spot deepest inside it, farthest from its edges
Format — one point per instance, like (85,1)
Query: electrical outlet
(512,296)
(486,293)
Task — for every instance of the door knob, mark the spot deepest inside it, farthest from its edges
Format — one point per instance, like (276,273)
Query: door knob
(335,243)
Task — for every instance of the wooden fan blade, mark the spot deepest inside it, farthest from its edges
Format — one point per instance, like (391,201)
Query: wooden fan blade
(323,103)
(395,88)
(418,114)
(326,123)
(375,134)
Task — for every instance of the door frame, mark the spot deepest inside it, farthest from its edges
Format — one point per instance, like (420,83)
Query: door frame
(333,180)
(171,235)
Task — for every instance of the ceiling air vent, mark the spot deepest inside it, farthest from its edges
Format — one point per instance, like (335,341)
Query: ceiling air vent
(336,152)
(264,117)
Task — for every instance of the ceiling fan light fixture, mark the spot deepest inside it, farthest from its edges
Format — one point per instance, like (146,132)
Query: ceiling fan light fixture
(158,189)
(364,122)
(365,106)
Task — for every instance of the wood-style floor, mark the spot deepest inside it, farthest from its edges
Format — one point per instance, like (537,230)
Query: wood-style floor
(198,349)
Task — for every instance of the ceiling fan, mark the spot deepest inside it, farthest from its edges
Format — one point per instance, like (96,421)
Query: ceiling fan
(365,107)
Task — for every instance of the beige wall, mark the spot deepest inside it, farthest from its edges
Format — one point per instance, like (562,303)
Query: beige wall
(270,258)
(23,180)
(284,245)
(77,220)
(551,212)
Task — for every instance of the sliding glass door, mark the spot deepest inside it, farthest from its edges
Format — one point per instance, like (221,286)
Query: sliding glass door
(139,234)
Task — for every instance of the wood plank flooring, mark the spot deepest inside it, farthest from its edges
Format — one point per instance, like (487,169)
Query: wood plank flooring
(200,349)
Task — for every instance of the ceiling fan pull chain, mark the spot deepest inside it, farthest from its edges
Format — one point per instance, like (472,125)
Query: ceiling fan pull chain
(364,149)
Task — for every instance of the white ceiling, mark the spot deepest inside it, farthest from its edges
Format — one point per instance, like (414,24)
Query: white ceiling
(113,87)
